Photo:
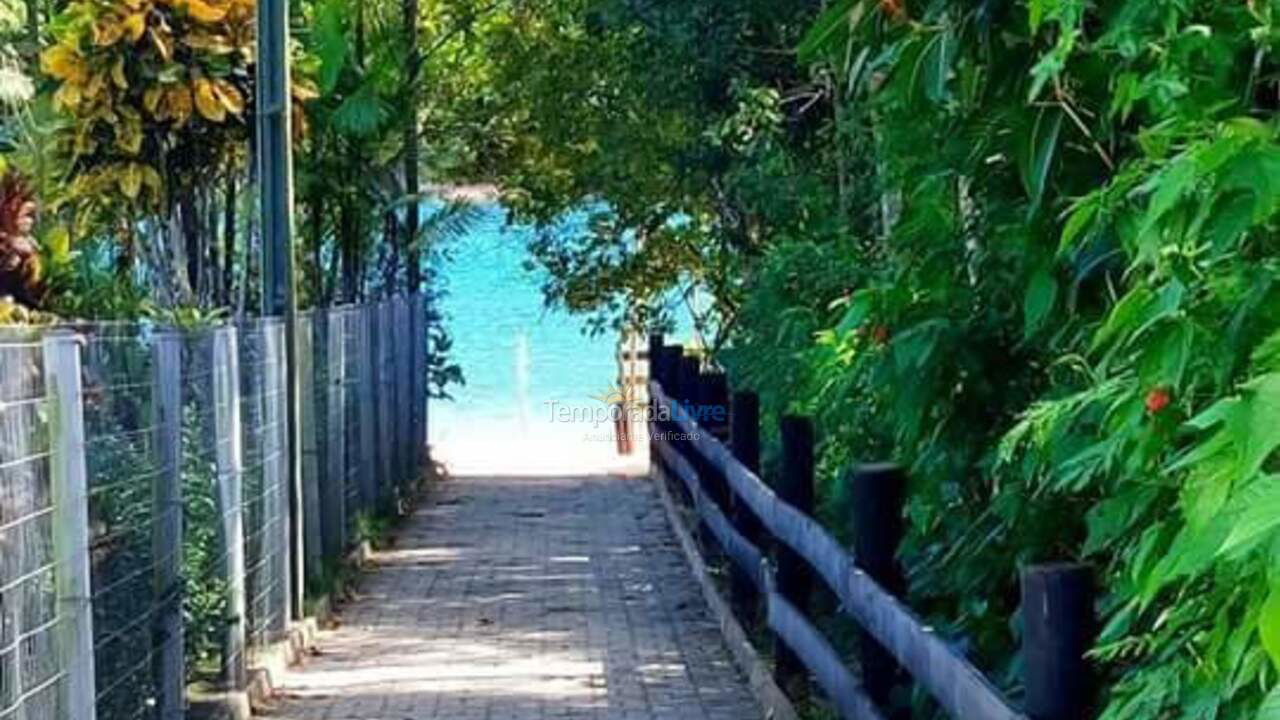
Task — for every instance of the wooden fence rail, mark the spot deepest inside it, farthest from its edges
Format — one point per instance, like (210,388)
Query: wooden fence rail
(743,513)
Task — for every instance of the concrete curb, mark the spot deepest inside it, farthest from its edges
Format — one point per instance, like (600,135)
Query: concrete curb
(775,703)
(205,703)
(265,665)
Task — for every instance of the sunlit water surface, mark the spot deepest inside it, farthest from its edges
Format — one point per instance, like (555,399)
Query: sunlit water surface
(522,361)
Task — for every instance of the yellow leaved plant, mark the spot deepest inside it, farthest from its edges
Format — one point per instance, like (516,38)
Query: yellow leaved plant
(156,91)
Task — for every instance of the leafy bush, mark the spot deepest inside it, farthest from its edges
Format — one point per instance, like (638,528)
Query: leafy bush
(1027,249)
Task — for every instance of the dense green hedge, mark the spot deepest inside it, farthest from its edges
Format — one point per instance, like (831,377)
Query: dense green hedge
(1025,247)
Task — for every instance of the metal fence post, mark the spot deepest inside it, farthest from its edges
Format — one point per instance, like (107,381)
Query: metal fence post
(1058,627)
(71,523)
(226,391)
(878,492)
(167,530)
(794,579)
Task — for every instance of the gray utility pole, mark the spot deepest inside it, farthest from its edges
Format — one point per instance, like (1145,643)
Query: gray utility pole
(275,187)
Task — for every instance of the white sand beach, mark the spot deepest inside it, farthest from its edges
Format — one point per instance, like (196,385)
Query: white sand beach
(495,447)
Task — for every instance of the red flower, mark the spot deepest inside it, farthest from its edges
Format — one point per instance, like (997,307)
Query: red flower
(880,334)
(1157,400)
(894,9)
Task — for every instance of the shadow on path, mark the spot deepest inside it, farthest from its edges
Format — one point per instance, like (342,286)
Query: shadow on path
(512,598)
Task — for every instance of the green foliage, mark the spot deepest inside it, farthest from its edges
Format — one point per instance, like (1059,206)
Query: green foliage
(1028,249)
(204,599)
(372,528)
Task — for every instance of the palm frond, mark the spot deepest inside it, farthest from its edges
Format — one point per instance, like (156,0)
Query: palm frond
(447,223)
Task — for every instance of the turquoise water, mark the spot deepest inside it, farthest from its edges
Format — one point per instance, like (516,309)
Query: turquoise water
(518,356)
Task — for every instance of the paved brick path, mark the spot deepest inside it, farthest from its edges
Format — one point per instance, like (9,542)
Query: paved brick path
(516,599)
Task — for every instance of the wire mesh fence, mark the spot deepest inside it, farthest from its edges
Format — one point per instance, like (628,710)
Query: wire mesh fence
(264,494)
(30,671)
(144,495)
(132,539)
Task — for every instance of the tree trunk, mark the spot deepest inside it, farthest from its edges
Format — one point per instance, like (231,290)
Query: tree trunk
(191,236)
(360,34)
(317,255)
(33,26)
(350,253)
(391,271)
(229,240)
(412,256)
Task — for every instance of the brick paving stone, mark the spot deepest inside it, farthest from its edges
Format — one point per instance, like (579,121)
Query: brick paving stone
(525,599)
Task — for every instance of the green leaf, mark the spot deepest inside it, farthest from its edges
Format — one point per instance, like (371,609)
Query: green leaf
(1124,316)
(361,113)
(1042,147)
(1267,355)
(1270,708)
(1079,220)
(860,306)
(1259,518)
(1269,625)
(1167,188)
(1042,294)
(1035,13)
(1257,425)
(843,15)
(329,39)
(1166,353)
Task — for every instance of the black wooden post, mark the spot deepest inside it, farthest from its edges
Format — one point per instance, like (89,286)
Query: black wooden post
(744,439)
(744,429)
(878,494)
(652,427)
(1058,629)
(671,358)
(671,364)
(697,392)
(714,398)
(713,418)
(794,578)
(669,376)
(656,341)
(690,379)
(712,413)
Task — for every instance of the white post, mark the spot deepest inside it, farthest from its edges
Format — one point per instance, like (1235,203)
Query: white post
(424,363)
(386,396)
(422,437)
(311,513)
(415,383)
(71,523)
(404,416)
(226,393)
(166,526)
(275,483)
(335,478)
(368,418)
